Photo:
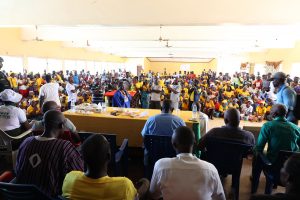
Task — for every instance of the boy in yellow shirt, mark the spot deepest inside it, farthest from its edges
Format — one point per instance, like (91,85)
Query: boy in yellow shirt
(261,111)
(94,183)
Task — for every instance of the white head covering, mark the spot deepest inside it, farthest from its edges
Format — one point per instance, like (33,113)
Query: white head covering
(10,95)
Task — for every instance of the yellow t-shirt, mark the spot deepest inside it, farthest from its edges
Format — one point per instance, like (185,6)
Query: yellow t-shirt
(77,186)
(245,94)
(13,82)
(39,82)
(239,91)
(268,109)
(30,110)
(261,110)
(210,104)
(229,94)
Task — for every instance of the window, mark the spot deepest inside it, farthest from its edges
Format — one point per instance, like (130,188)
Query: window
(14,64)
(37,65)
(259,68)
(80,65)
(54,65)
(70,65)
(295,70)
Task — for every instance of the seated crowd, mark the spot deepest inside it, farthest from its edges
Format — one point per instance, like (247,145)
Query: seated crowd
(65,167)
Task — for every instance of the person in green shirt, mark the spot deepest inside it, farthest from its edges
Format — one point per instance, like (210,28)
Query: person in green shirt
(280,135)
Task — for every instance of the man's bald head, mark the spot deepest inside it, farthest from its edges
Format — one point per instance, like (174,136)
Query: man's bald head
(183,139)
(232,117)
(53,121)
(49,105)
(278,110)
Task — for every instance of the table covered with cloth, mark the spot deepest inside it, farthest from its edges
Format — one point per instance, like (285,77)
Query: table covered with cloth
(124,126)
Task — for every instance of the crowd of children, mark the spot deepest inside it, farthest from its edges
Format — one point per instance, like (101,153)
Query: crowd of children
(252,95)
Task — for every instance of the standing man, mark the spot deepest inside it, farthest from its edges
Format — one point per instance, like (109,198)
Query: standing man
(121,98)
(285,95)
(155,95)
(175,93)
(4,83)
(70,88)
(49,92)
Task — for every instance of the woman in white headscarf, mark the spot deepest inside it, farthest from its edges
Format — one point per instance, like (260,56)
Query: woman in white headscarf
(12,119)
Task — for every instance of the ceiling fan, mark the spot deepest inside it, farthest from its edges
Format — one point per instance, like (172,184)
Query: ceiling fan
(36,38)
(161,39)
(167,44)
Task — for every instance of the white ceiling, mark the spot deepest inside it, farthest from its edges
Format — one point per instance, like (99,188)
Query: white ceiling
(181,60)
(131,28)
(177,41)
(148,12)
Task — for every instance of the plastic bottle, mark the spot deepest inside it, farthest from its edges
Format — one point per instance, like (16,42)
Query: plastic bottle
(72,106)
(194,110)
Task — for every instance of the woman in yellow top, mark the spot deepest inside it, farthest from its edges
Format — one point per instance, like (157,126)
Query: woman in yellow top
(38,81)
(33,110)
(209,107)
(185,100)
(13,82)
(228,93)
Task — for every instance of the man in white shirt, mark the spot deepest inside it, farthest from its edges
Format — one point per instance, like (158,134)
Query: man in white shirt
(49,91)
(70,88)
(155,95)
(175,93)
(12,119)
(186,176)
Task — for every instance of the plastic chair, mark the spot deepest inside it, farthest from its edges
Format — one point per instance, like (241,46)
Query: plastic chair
(157,147)
(253,129)
(227,157)
(272,171)
(12,191)
(8,150)
(119,156)
(67,135)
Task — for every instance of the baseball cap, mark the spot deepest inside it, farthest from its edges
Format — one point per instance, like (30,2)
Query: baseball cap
(278,75)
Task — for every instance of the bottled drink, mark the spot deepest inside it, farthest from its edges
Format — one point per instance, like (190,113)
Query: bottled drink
(194,110)
(72,106)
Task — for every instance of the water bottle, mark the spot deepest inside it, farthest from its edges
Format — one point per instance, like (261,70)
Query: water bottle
(72,106)
(194,110)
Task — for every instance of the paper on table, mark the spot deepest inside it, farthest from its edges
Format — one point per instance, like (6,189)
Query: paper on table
(144,114)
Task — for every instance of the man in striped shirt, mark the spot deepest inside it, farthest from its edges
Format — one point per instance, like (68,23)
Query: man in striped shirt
(45,160)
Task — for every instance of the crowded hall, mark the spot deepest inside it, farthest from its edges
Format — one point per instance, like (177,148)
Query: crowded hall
(149,100)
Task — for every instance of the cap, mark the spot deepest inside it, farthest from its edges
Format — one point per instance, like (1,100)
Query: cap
(278,75)
(10,95)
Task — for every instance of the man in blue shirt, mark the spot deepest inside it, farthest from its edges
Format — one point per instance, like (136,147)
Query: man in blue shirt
(285,95)
(164,123)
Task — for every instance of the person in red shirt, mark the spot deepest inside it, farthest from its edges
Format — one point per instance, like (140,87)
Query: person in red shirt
(258,83)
